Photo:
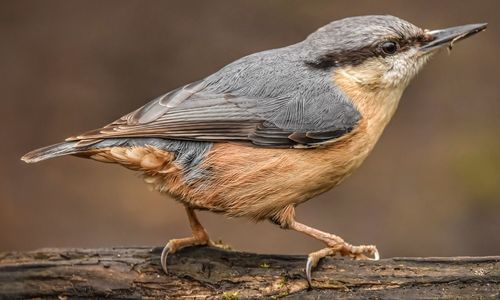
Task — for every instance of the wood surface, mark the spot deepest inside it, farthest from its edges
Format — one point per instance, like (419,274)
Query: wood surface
(204,272)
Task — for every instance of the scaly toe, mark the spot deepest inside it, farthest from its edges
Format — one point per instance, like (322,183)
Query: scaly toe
(364,252)
(370,252)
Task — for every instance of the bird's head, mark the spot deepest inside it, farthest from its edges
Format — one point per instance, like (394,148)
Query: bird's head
(379,51)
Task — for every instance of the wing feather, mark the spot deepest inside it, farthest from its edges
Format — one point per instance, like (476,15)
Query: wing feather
(191,113)
(252,100)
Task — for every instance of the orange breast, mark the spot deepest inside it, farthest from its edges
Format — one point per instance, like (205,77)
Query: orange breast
(241,180)
(261,182)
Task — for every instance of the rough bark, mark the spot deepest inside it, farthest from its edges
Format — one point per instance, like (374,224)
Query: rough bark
(135,273)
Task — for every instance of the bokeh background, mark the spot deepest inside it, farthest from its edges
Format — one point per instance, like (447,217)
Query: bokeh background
(430,188)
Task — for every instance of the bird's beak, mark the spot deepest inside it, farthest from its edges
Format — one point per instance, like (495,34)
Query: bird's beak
(448,36)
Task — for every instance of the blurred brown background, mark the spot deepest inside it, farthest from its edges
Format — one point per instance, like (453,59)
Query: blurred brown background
(430,188)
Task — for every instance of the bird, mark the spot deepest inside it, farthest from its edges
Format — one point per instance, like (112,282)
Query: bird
(273,129)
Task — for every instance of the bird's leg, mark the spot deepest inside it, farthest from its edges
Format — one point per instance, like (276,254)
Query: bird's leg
(200,237)
(335,244)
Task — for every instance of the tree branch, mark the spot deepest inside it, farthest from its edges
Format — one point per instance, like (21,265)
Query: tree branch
(133,273)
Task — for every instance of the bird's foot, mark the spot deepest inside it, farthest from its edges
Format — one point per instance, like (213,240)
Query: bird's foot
(362,252)
(221,245)
(176,244)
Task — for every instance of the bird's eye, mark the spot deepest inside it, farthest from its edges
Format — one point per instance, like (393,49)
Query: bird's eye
(389,47)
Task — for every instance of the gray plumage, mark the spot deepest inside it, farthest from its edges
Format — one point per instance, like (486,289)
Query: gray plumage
(277,98)
(270,98)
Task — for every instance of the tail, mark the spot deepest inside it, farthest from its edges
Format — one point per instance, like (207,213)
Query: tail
(185,151)
(64,148)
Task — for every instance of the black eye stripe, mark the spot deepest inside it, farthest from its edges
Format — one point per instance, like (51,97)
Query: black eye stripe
(356,57)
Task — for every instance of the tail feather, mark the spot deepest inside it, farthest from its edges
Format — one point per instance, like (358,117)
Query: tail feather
(186,152)
(64,148)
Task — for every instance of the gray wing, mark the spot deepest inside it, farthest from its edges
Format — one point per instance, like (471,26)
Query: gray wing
(241,106)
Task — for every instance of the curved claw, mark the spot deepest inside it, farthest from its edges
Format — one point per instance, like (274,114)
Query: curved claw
(376,255)
(371,253)
(357,252)
(163,258)
(309,266)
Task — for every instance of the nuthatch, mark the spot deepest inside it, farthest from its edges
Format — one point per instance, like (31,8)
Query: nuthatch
(272,129)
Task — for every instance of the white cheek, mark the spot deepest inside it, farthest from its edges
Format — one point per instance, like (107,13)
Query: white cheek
(403,67)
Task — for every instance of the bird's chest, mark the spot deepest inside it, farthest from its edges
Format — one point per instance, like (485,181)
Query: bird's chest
(326,167)
(251,180)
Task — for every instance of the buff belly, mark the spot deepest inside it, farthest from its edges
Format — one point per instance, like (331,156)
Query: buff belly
(241,180)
